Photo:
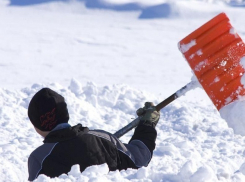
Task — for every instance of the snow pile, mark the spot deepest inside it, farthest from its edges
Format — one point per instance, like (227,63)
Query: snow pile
(149,9)
(236,3)
(91,174)
(193,141)
(56,41)
(164,10)
(233,113)
(109,108)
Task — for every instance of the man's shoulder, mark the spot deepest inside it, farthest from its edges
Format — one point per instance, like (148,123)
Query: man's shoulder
(36,159)
(42,151)
(65,134)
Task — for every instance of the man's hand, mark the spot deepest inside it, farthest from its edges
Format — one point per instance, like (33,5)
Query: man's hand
(148,114)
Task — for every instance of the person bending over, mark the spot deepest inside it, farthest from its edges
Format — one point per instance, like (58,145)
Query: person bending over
(66,145)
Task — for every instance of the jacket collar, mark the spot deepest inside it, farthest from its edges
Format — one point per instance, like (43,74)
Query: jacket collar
(61,126)
(65,132)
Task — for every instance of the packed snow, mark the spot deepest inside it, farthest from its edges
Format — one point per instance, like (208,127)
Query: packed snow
(107,58)
(185,47)
(233,113)
(242,62)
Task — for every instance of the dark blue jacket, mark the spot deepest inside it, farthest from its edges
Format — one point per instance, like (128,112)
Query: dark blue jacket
(66,147)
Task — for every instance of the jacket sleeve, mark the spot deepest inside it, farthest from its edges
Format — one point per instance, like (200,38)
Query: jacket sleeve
(36,159)
(33,168)
(139,149)
(145,134)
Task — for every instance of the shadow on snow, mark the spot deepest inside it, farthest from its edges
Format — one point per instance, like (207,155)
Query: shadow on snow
(159,11)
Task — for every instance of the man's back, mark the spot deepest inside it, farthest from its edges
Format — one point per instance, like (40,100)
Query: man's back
(76,145)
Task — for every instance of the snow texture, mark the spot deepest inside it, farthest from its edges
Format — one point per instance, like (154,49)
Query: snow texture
(185,47)
(242,62)
(107,58)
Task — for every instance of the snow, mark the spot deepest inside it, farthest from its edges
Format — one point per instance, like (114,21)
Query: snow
(233,31)
(199,52)
(185,47)
(200,65)
(190,86)
(107,59)
(232,112)
(242,62)
(234,117)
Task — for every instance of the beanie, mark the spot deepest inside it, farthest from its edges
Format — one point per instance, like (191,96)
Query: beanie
(47,109)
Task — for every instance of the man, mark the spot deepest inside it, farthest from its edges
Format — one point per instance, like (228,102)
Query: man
(65,145)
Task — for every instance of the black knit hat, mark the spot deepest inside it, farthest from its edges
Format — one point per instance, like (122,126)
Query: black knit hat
(47,109)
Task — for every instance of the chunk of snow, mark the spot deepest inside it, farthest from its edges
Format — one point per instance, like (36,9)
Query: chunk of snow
(203,174)
(185,47)
(242,62)
(200,65)
(234,115)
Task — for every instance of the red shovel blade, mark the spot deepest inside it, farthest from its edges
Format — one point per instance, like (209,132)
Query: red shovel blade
(213,52)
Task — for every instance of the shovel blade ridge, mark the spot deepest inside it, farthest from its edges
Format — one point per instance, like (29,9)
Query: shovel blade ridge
(214,52)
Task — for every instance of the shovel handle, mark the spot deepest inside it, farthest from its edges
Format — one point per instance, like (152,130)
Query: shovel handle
(159,106)
(166,101)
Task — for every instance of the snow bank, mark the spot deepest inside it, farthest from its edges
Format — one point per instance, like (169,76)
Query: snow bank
(193,141)
(236,3)
(148,9)
(164,10)
(234,115)
(109,108)
(122,4)
(91,174)
(31,2)
(131,6)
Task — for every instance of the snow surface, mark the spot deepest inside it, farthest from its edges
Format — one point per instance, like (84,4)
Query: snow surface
(232,113)
(107,59)
(242,62)
(185,47)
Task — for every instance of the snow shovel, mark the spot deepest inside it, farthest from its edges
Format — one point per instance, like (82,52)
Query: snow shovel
(214,52)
